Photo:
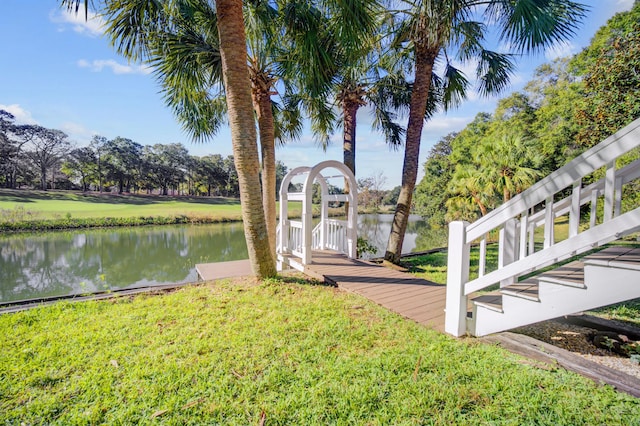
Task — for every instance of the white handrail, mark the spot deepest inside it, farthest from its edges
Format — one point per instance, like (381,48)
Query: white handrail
(517,220)
(600,155)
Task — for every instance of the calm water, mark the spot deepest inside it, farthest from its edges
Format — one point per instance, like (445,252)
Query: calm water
(76,262)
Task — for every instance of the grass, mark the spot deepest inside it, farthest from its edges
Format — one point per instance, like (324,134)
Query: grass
(46,210)
(433,266)
(283,352)
(57,204)
(628,312)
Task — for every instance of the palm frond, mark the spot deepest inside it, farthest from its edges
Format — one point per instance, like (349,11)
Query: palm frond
(494,71)
(454,88)
(531,25)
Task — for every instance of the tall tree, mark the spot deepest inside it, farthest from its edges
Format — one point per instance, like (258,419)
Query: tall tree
(509,164)
(46,148)
(81,163)
(433,29)
(233,52)
(122,160)
(97,144)
(233,59)
(612,88)
(12,139)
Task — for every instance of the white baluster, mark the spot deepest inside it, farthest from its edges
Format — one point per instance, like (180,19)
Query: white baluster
(593,215)
(482,263)
(574,213)
(609,190)
(548,222)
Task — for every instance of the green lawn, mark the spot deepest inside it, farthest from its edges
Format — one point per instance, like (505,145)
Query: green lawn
(57,204)
(40,210)
(276,353)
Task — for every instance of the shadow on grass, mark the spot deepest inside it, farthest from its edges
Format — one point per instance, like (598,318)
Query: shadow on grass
(295,279)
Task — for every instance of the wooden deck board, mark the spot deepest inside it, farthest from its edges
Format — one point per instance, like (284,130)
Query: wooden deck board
(400,292)
(220,270)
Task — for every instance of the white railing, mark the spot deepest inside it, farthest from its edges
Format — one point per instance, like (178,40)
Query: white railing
(331,234)
(295,237)
(517,221)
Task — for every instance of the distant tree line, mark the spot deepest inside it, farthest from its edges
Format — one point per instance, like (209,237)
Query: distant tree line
(36,157)
(570,105)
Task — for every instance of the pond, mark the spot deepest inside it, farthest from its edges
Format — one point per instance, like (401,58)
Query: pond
(79,262)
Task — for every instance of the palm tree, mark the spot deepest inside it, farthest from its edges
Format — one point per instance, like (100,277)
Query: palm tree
(156,18)
(178,41)
(233,52)
(434,29)
(509,165)
(470,191)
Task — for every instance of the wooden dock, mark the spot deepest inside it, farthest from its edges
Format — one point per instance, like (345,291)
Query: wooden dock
(414,298)
(221,270)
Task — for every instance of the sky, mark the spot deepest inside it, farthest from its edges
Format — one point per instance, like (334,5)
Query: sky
(59,71)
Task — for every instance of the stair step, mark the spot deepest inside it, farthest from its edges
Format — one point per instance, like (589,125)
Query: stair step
(527,289)
(618,257)
(492,301)
(571,275)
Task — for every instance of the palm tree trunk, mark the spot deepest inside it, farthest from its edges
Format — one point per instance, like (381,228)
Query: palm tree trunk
(233,52)
(425,59)
(262,105)
(350,110)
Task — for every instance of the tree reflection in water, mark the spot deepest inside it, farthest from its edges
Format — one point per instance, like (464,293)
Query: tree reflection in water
(78,262)
(61,263)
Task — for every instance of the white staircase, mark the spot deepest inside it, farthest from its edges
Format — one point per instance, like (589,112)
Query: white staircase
(598,213)
(609,276)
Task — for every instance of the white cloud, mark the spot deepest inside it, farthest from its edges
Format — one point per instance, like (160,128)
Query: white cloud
(92,26)
(624,5)
(77,132)
(22,115)
(444,124)
(97,65)
(560,50)
(70,127)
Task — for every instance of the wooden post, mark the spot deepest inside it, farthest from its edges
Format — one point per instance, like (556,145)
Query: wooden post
(307,224)
(524,228)
(482,263)
(457,277)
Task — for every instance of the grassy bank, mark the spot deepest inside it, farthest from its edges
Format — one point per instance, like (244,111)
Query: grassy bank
(61,204)
(275,353)
(48,210)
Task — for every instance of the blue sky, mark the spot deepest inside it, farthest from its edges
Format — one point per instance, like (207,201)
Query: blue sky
(58,71)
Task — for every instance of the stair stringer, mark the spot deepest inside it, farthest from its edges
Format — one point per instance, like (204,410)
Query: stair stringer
(604,286)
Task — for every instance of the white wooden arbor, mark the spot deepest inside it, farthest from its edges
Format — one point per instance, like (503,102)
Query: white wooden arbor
(298,238)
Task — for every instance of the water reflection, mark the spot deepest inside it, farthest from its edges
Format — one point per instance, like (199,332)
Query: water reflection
(60,263)
(377,227)
(77,262)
